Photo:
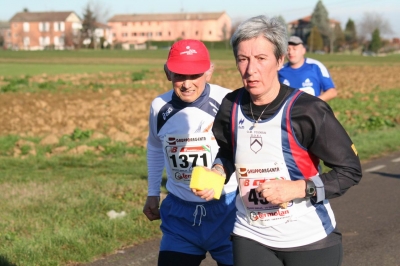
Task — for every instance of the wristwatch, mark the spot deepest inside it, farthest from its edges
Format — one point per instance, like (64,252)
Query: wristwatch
(310,189)
(219,169)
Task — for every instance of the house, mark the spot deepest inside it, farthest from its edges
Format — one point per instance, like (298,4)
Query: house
(5,34)
(103,35)
(41,30)
(302,27)
(137,29)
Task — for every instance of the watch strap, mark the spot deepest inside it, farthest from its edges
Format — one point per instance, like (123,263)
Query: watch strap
(219,169)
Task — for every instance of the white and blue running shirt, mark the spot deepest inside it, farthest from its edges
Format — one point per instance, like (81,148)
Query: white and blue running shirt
(180,137)
(312,77)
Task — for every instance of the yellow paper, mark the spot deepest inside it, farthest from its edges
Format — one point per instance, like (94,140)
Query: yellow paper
(203,178)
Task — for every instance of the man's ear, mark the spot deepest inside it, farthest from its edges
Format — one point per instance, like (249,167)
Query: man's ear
(167,72)
(209,72)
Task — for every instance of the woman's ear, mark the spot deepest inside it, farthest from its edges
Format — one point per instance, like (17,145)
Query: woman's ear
(281,61)
(167,72)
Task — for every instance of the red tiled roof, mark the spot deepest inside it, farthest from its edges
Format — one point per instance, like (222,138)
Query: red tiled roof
(165,17)
(41,16)
(308,19)
(101,25)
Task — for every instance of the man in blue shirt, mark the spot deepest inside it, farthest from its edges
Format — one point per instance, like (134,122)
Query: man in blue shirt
(306,74)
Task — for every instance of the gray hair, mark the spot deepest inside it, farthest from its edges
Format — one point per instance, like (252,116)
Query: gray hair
(271,29)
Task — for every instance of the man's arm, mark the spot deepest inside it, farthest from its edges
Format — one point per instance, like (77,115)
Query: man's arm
(155,167)
(328,94)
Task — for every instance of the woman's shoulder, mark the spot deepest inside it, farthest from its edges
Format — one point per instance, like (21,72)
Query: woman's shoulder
(231,96)
(309,103)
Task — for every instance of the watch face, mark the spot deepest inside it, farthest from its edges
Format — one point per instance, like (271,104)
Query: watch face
(310,189)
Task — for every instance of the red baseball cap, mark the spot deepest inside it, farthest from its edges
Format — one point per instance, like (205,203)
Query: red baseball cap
(188,57)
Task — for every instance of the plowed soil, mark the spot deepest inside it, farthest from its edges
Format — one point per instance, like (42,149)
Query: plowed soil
(119,109)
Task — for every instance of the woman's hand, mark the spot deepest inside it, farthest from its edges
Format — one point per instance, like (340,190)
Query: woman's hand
(282,191)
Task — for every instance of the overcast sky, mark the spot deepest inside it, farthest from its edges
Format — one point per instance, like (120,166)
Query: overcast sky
(340,10)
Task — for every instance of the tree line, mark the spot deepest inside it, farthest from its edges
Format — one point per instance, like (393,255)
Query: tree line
(330,37)
(322,35)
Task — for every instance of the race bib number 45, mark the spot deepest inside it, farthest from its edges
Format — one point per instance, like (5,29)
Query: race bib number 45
(259,211)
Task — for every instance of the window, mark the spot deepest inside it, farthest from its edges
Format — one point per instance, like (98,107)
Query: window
(210,32)
(149,34)
(197,32)
(26,27)
(124,34)
(44,26)
(124,24)
(58,41)
(183,33)
(44,41)
(133,34)
(26,41)
(169,33)
(59,26)
(142,34)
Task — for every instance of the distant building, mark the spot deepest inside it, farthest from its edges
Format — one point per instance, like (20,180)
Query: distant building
(103,35)
(5,34)
(302,27)
(136,29)
(41,30)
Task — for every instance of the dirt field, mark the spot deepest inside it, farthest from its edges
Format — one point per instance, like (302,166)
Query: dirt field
(121,113)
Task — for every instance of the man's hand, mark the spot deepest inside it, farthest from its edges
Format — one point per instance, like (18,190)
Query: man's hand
(151,208)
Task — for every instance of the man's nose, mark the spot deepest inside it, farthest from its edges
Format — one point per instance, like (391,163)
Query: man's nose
(187,83)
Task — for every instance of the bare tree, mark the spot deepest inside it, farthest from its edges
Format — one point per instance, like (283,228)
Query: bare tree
(100,10)
(235,25)
(283,21)
(372,21)
(94,12)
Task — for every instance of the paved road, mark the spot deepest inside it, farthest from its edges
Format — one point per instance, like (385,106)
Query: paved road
(368,216)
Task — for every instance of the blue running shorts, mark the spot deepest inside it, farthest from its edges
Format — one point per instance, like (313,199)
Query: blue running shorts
(197,227)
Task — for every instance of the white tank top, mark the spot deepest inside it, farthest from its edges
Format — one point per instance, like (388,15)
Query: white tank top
(270,151)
